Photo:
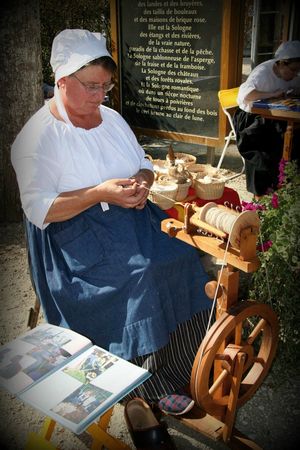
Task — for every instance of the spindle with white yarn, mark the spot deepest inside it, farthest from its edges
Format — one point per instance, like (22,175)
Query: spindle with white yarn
(227,221)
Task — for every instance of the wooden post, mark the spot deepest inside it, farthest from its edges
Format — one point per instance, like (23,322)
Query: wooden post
(287,143)
(229,280)
(233,396)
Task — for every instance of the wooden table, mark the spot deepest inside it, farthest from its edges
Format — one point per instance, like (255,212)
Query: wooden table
(291,117)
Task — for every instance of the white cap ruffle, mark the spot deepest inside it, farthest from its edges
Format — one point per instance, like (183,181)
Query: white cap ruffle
(72,49)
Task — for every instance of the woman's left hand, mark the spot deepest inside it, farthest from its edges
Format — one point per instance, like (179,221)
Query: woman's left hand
(144,179)
(143,188)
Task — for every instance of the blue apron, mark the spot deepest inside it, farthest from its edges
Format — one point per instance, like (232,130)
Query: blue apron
(116,278)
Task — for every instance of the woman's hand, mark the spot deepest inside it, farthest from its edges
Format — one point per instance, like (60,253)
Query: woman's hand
(124,192)
(144,180)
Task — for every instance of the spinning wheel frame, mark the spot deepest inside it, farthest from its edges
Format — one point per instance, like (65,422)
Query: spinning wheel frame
(228,368)
(222,345)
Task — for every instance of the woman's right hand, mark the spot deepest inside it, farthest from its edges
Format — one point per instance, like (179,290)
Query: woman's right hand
(122,192)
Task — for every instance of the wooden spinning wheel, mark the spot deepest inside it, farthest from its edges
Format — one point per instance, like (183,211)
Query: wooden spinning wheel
(234,359)
(237,352)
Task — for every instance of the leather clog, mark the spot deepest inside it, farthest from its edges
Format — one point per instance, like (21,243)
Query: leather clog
(145,430)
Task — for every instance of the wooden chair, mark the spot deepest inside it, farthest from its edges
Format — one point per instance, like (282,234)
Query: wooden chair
(228,102)
(35,310)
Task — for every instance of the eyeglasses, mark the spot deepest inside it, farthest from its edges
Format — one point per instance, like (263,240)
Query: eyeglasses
(94,88)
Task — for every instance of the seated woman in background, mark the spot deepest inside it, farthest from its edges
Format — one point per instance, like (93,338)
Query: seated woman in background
(260,140)
(100,263)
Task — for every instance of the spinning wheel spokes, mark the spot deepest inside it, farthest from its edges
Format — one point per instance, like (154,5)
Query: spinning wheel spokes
(250,331)
(258,328)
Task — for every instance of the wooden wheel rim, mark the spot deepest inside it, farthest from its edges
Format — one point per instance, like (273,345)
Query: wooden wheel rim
(218,333)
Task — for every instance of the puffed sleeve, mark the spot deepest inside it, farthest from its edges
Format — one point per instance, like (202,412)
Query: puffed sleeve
(37,170)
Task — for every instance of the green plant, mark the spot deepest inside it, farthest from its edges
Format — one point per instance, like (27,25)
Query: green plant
(277,280)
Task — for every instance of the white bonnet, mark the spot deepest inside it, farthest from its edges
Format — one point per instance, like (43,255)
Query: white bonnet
(72,49)
(288,50)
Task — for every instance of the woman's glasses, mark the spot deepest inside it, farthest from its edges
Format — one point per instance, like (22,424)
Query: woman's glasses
(95,88)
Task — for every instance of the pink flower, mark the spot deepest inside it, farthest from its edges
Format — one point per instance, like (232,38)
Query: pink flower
(274,201)
(252,206)
(265,246)
(281,179)
(281,176)
(282,165)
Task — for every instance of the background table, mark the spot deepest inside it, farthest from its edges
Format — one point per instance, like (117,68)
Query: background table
(289,115)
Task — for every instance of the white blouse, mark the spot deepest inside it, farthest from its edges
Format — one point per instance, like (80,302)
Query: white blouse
(50,156)
(262,78)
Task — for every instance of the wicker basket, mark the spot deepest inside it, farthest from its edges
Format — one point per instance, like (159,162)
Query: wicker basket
(182,188)
(200,171)
(209,190)
(163,194)
(196,170)
(184,158)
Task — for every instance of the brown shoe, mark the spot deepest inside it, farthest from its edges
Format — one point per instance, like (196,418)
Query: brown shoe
(145,430)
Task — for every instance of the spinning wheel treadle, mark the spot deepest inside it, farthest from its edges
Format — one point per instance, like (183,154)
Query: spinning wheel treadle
(249,329)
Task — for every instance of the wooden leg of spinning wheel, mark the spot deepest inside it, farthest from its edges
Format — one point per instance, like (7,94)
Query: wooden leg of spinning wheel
(229,280)
(239,441)
(233,396)
(101,438)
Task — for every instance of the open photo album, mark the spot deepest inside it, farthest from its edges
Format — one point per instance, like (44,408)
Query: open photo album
(60,373)
(283,104)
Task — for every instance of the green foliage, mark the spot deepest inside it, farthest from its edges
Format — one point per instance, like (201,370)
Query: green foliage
(56,16)
(277,280)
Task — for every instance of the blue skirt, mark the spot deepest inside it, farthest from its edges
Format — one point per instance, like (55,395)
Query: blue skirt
(116,278)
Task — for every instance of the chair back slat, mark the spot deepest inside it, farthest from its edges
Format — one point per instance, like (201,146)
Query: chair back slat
(228,97)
